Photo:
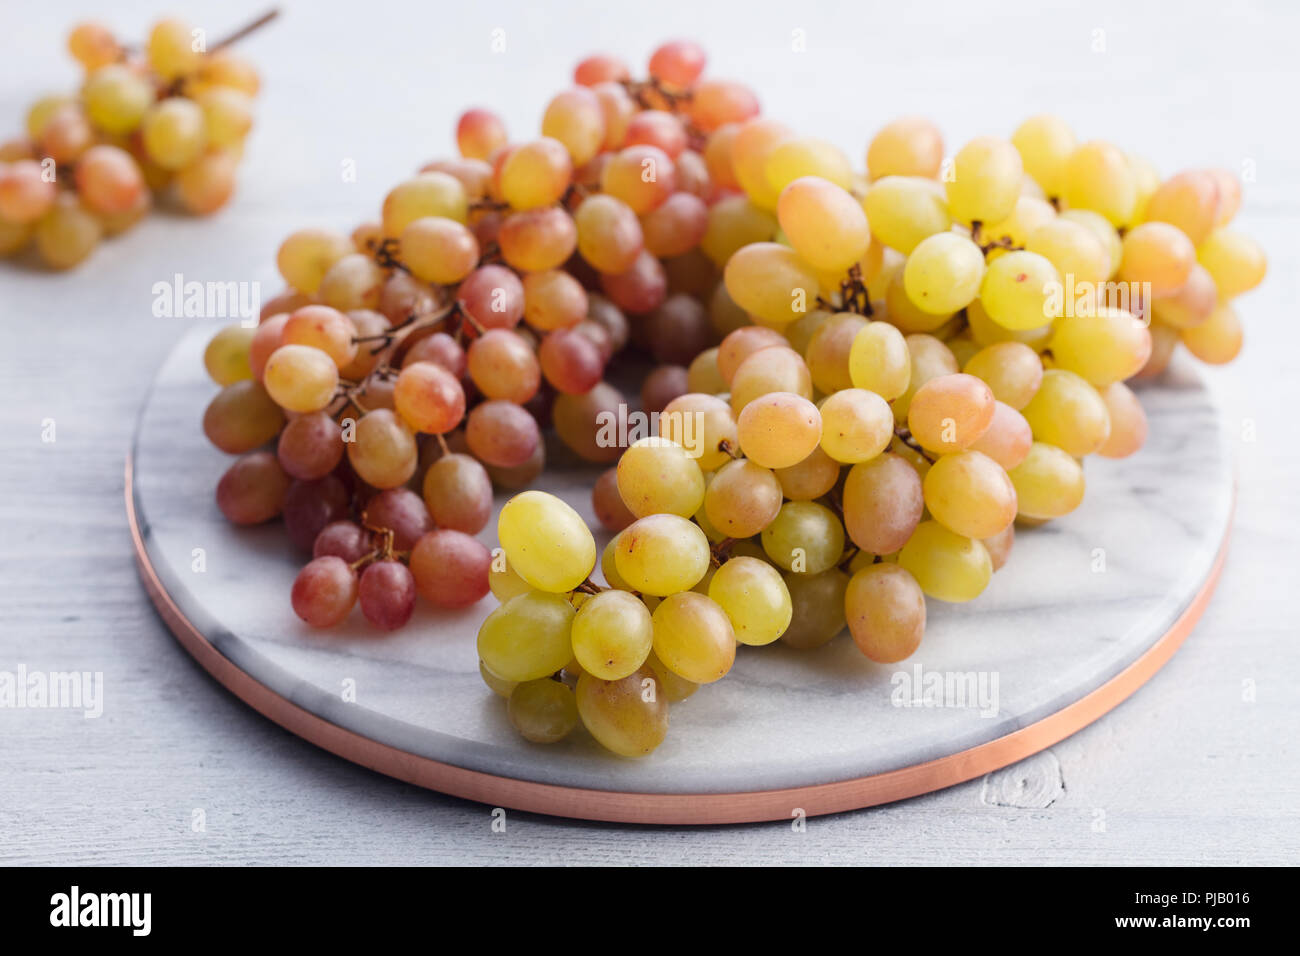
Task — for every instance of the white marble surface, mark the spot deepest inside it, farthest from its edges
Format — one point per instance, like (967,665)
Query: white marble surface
(1199,767)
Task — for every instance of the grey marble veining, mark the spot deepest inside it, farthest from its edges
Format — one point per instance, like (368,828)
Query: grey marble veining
(1049,626)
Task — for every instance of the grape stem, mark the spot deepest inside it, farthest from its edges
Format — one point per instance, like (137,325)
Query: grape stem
(245,30)
(721,550)
(904,435)
(853,294)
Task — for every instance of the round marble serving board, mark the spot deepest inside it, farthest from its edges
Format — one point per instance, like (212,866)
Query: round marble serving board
(1087,608)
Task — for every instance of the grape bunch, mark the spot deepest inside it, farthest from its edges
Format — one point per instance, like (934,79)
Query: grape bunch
(169,120)
(861,381)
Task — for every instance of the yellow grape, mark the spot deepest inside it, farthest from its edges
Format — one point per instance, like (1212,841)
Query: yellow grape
(811,478)
(909,146)
(536,174)
(1217,340)
(174,132)
(324,328)
(528,637)
(702,375)
(612,635)
(1045,143)
(985,182)
(306,255)
(1234,261)
(505,582)
(1188,200)
(777,430)
(771,282)
(1128,422)
(805,537)
(693,637)
(576,119)
(700,424)
(1159,254)
(1021,291)
(1030,214)
(171,49)
(948,566)
(662,554)
(857,425)
(1073,248)
(879,361)
(885,611)
(628,717)
(950,412)
(742,499)
(67,233)
(769,370)
(115,98)
(671,686)
(227,116)
(825,225)
(755,599)
(658,476)
(1011,369)
(943,273)
(798,158)
(735,222)
(384,453)
(1147,178)
(429,194)
(1068,412)
(544,711)
(984,331)
(546,541)
(1049,482)
(207,184)
(301,378)
(1098,177)
(903,210)
(827,350)
(498,685)
(1107,346)
(1102,229)
(226,355)
(905,315)
(969,493)
(754,144)
(439,250)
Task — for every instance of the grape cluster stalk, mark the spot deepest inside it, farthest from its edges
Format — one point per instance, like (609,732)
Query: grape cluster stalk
(865,380)
(164,122)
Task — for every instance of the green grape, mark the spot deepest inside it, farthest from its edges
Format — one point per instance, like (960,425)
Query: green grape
(804,158)
(1217,340)
(950,412)
(883,503)
(825,225)
(543,711)
(226,355)
(742,498)
(755,599)
(1067,412)
(885,609)
(1159,254)
(984,331)
(628,716)
(528,637)
(662,554)
(985,183)
(702,375)
(1102,229)
(242,417)
(174,132)
(1049,482)
(805,537)
(612,635)
(227,116)
(947,565)
(930,358)
(700,424)
(1021,290)
(857,425)
(658,476)
(171,50)
(827,351)
(771,282)
(546,541)
(879,361)
(499,686)
(969,493)
(300,378)
(904,314)
(734,223)
(1234,261)
(904,210)
(777,430)
(909,146)
(1106,346)
(609,565)
(693,637)
(943,273)
(1097,176)
(1075,250)
(306,255)
(1045,143)
(817,608)
(671,686)
(115,98)
(505,582)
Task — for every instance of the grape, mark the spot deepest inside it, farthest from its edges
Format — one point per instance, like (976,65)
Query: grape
(754,144)
(310,446)
(770,370)
(943,273)
(401,511)
(771,282)
(1068,412)
(535,240)
(741,344)
(661,386)
(310,506)
(600,68)
(946,565)
(805,537)
(639,290)
(501,433)
(252,489)
(659,129)
(828,349)
(857,425)
(641,176)
(693,637)
(797,158)
(386,594)
(554,300)
(703,376)
(503,365)
(324,591)
(499,686)
(226,356)
(677,64)
(1229,198)
(1157,253)
(1128,422)
(612,635)
(479,133)
(527,637)
(817,602)
(575,118)
(1104,347)
(1188,200)
(383,452)
(14,236)
(662,554)
(300,378)
(223,68)
(885,609)
(324,328)
(241,417)
(607,502)
(950,412)
(439,250)
(598,335)
(1164,340)
(1189,306)
(1017,290)
(474,174)
(354,282)
(170,49)
(628,716)
(227,116)
(879,361)
(1045,144)
(343,539)
(543,711)
(716,103)
(1008,437)
(267,337)
(811,478)
(969,493)
(734,223)
(1234,261)
(583,422)
(742,499)
(67,233)
(755,599)
(174,132)
(909,146)
(1217,340)
(617,110)
(306,255)
(1097,177)
(536,174)
(905,315)
(700,424)
(778,430)
(825,225)
(92,45)
(571,361)
(903,211)
(505,583)
(676,226)
(1074,249)
(609,235)
(1011,369)
(985,182)
(493,297)
(428,194)
(658,476)
(671,687)
(546,541)
(883,502)
(450,568)
(116,99)
(1049,482)
(1029,214)
(458,493)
